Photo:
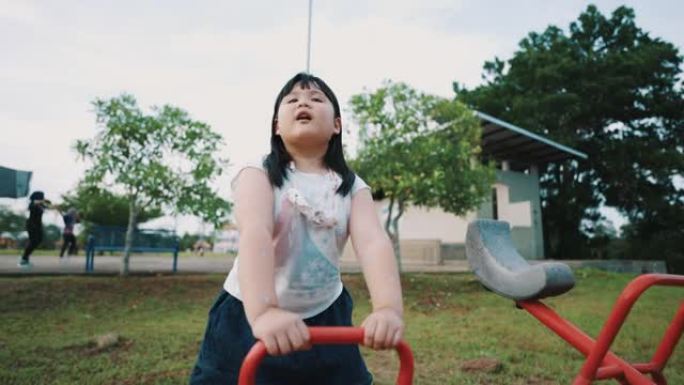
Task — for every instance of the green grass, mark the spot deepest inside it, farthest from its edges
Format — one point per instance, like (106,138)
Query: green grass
(48,323)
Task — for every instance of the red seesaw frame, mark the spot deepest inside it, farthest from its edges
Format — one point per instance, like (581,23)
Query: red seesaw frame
(601,363)
(328,335)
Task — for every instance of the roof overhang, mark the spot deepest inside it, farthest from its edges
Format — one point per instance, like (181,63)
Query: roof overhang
(503,141)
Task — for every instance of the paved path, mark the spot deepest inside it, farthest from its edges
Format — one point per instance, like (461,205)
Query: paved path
(162,264)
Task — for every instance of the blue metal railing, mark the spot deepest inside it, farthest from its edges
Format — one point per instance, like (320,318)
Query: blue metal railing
(113,238)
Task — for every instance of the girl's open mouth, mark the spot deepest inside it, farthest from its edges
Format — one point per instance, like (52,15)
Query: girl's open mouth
(303,116)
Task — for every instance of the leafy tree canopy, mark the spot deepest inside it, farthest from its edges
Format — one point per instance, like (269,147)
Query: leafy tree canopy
(611,90)
(11,222)
(419,149)
(159,159)
(103,207)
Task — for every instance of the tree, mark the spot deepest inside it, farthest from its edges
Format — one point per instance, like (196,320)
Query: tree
(658,235)
(51,235)
(162,159)
(96,205)
(15,224)
(419,149)
(187,241)
(610,90)
(11,222)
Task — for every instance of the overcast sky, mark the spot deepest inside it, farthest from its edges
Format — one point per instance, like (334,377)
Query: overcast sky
(225,61)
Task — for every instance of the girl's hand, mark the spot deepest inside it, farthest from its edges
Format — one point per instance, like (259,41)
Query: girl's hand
(281,331)
(383,329)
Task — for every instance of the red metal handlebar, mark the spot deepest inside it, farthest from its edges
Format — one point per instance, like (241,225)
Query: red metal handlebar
(328,335)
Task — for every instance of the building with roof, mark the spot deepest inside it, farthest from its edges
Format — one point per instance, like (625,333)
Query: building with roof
(430,235)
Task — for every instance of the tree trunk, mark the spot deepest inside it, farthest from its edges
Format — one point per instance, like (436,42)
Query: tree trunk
(392,228)
(395,231)
(132,216)
(388,221)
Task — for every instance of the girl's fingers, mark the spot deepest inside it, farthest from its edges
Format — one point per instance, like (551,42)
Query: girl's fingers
(295,337)
(271,345)
(304,333)
(369,332)
(397,336)
(389,337)
(380,335)
(284,345)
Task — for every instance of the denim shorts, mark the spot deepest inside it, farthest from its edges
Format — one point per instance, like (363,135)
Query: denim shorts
(228,338)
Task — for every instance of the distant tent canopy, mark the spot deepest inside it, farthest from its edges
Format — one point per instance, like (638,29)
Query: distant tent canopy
(14,183)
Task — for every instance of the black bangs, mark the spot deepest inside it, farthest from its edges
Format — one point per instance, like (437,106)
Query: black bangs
(306,80)
(278,159)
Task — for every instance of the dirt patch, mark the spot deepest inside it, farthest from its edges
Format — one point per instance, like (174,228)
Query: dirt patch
(383,364)
(47,294)
(482,365)
(428,303)
(92,348)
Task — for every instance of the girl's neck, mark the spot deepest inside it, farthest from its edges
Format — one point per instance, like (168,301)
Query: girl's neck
(308,160)
(312,165)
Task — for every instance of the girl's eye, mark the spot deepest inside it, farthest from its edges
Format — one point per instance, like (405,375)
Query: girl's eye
(293,100)
(319,100)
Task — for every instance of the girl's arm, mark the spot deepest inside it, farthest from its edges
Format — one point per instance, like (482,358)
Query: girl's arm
(384,326)
(280,330)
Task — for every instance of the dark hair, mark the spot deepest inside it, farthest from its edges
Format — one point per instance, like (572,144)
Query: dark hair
(276,163)
(36,196)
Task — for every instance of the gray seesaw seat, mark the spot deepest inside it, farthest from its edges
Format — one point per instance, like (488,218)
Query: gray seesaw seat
(497,264)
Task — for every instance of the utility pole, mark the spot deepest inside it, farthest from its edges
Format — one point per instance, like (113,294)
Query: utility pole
(308,45)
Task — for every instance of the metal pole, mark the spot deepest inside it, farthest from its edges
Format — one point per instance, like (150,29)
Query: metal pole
(308,45)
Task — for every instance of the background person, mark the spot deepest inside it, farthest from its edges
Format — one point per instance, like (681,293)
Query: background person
(71,218)
(34,225)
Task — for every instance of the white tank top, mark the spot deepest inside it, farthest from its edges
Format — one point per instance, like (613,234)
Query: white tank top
(310,232)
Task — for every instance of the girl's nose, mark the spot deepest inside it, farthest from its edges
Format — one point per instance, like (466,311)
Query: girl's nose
(303,102)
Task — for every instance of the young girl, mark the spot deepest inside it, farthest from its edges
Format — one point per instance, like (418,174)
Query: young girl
(294,214)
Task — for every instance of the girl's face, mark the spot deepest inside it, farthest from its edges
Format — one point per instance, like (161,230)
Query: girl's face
(306,117)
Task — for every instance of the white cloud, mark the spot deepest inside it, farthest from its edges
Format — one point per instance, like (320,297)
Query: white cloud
(19,11)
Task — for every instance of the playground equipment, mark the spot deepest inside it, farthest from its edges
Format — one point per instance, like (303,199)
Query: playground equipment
(496,263)
(328,335)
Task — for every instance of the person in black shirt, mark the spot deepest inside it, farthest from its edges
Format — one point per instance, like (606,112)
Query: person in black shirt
(34,225)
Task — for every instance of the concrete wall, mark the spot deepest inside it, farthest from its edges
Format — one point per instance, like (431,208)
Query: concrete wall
(430,235)
(620,265)
(426,223)
(523,211)
(415,251)
(519,204)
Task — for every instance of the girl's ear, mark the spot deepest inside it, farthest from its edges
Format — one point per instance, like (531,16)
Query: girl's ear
(338,125)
